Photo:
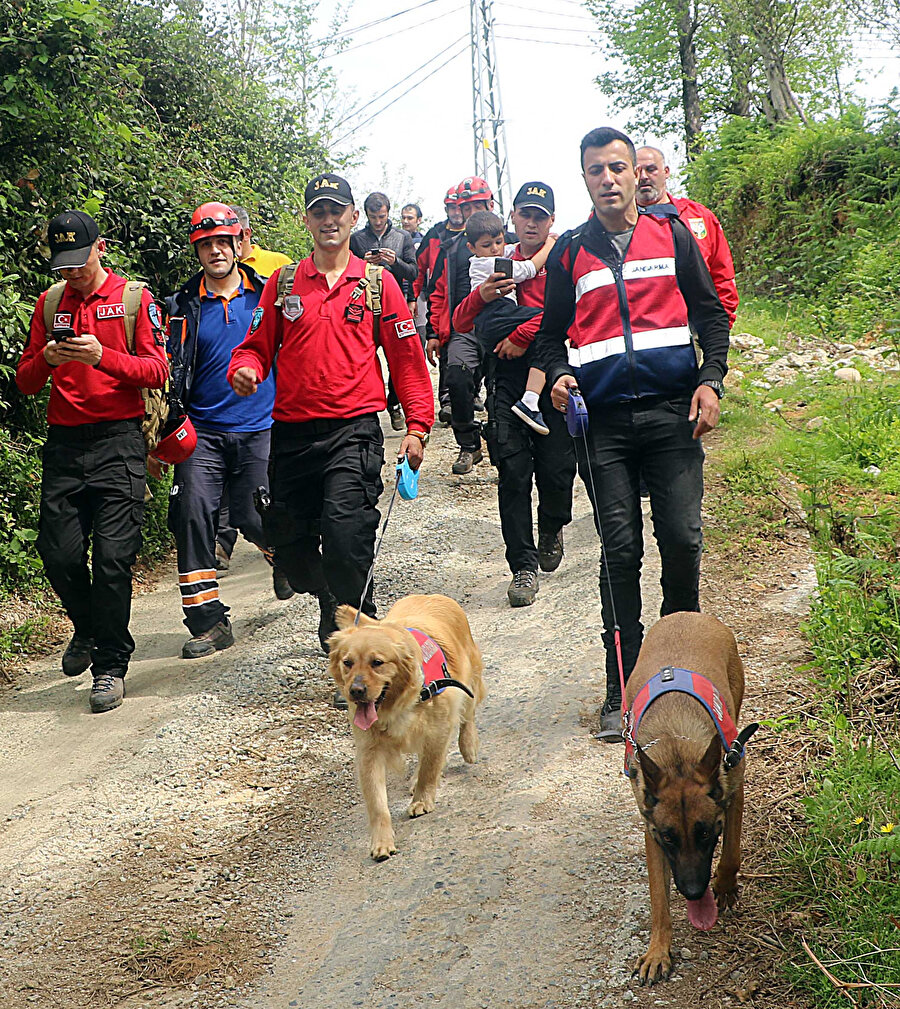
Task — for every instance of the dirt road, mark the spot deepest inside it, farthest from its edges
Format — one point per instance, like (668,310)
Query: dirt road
(204,845)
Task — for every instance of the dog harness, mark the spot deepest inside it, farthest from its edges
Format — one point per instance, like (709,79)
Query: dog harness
(684,681)
(434,667)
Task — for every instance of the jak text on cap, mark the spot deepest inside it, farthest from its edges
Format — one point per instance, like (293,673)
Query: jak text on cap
(71,235)
(536,194)
(328,187)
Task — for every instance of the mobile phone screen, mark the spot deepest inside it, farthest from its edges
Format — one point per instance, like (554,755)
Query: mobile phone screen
(504,266)
(63,334)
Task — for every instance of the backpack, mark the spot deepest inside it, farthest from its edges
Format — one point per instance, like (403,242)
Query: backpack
(372,284)
(156,401)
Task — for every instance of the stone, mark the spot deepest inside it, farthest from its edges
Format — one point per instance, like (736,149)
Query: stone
(746,341)
(814,423)
(775,405)
(848,375)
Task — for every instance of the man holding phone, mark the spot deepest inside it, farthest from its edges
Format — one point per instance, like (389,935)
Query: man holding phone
(381,244)
(94,471)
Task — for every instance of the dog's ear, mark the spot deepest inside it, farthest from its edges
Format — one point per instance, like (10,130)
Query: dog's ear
(345,616)
(653,776)
(709,765)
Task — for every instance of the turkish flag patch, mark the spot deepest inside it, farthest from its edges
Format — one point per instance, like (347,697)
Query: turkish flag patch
(62,320)
(111,311)
(406,327)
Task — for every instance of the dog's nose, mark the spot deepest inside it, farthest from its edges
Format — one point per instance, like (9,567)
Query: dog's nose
(358,690)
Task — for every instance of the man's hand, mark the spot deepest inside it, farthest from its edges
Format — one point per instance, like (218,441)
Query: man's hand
(388,257)
(498,285)
(705,410)
(156,469)
(245,381)
(559,394)
(414,450)
(506,350)
(85,349)
(432,349)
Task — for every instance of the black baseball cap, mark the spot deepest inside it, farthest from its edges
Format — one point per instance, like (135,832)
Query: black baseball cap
(328,187)
(71,235)
(536,194)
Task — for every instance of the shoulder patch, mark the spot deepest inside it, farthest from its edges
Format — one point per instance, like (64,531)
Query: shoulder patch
(404,328)
(698,226)
(154,316)
(256,318)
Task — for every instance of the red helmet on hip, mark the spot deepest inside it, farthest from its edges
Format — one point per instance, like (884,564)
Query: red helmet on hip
(178,442)
(211,219)
(473,190)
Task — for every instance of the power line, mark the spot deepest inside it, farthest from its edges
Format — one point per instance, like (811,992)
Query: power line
(537,28)
(540,10)
(547,42)
(403,94)
(398,31)
(412,73)
(380,21)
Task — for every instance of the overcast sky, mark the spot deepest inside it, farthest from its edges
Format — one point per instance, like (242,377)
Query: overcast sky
(547,62)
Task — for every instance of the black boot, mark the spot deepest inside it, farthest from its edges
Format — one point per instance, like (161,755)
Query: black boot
(327,626)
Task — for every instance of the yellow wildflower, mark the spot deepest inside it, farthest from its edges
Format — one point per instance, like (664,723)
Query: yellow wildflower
(859,820)
(887,828)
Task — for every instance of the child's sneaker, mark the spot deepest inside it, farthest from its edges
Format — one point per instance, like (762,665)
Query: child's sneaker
(533,418)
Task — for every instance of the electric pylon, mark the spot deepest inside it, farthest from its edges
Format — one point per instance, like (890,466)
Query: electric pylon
(488,125)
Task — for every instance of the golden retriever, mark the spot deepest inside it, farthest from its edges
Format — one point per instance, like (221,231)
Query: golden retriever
(378,666)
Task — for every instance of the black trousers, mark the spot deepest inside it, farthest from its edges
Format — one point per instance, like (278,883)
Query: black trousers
(463,362)
(92,498)
(654,438)
(524,458)
(325,481)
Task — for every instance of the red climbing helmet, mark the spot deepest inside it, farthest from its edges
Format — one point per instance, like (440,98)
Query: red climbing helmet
(473,190)
(178,444)
(214,219)
(451,196)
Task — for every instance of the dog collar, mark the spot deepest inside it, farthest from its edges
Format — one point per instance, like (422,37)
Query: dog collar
(434,667)
(672,679)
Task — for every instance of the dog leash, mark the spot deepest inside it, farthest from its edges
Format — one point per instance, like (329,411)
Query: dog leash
(577,424)
(406,482)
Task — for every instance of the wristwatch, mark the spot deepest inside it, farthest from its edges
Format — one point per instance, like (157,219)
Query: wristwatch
(421,435)
(715,385)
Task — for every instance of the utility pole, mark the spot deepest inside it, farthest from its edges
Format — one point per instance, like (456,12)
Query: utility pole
(488,124)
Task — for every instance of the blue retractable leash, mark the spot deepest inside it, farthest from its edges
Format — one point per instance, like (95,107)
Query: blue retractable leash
(406,483)
(577,423)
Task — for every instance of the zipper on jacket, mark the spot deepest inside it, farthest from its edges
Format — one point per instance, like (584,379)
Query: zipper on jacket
(624,312)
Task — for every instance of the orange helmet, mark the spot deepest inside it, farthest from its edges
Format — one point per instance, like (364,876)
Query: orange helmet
(473,190)
(214,219)
(179,441)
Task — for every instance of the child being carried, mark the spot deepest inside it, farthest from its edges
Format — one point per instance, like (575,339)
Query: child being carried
(497,319)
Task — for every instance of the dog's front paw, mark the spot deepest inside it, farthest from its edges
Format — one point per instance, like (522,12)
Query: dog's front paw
(420,807)
(726,895)
(383,848)
(655,965)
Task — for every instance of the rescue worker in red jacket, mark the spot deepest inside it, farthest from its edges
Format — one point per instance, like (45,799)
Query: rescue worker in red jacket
(652,190)
(327,445)
(625,289)
(94,470)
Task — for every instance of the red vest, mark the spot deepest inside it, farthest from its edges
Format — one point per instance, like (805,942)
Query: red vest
(630,335)
(434,663)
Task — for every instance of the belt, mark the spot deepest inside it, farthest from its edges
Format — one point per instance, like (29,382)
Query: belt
(92,432)
(321,425)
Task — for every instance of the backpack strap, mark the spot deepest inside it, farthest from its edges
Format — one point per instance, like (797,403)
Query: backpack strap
(374,294)
(285,282)
(131,299)
(51,303)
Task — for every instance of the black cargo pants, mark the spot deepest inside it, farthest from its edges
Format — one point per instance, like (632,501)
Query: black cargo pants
(324,482)
(92,498)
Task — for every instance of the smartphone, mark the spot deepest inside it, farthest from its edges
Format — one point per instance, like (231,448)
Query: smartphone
(503,266)
(374,252)
(63,334)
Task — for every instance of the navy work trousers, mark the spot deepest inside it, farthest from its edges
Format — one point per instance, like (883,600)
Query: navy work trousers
(92,497)
(650,436)
(235,462)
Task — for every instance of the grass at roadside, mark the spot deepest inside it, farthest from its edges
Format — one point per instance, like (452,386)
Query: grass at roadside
(831,452)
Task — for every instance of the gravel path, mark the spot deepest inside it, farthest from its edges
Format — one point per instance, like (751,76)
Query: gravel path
(205,846)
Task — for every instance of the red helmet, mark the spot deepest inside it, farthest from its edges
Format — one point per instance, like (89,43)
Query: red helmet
(214,219)
(451,196)
(180,441)
(473,190)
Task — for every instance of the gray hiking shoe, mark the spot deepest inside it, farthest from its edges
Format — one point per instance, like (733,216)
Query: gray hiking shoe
(611,721)
(397,421)
(106,693)
(523,588)
(77,656)
(466,459)
(219,636)
(223,558)
(550,550)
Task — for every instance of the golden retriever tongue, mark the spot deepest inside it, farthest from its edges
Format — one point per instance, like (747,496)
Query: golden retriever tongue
(703,913)
(366,715)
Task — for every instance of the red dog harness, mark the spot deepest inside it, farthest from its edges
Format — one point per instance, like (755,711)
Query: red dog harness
(671,678)
(434,667)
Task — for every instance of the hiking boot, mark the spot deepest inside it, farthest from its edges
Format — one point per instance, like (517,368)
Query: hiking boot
(339,701)
(397,421)
(281,585)
(533,418)
(445,415)
(478,403)
(223,560)
(523,588)
(550,550)
(466,459)
(327,626)
(107,692)
(611,720)
(219,636)
(77,656)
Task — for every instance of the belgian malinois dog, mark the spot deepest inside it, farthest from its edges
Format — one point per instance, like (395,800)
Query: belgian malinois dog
(685,791)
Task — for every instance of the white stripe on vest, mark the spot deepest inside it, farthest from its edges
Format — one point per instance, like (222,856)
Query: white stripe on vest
(651,339)
(632,270)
